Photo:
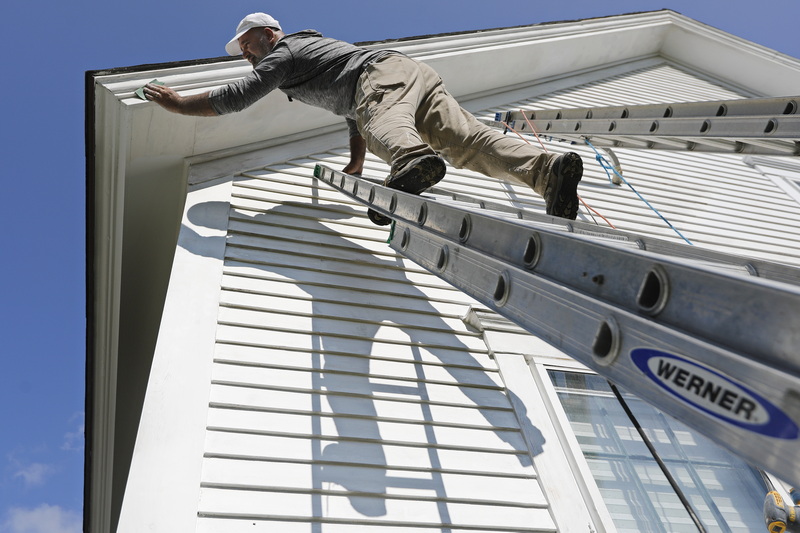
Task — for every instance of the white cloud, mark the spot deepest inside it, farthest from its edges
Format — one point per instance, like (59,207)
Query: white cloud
(33,474)
(73,441)
(42,519)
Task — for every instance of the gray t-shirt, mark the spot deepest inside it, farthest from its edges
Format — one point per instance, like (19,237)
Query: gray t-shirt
(317,70)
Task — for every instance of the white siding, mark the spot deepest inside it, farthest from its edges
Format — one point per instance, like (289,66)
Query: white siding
(348,395)
(716,200)
(346,388)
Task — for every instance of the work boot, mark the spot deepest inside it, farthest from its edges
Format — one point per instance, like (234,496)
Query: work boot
(377,218)
(420,174)
(561,186)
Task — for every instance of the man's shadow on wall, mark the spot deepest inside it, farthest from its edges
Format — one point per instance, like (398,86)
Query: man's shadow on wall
(345,379)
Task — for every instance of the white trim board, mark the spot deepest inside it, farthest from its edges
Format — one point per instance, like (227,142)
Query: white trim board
(164,480)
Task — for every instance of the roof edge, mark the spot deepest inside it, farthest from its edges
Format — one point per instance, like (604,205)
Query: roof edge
(89,428)
(145,67)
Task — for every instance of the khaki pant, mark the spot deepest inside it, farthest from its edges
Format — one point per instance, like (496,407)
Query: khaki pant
(403,112)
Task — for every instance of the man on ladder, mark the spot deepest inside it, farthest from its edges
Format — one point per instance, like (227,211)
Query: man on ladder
(396,107)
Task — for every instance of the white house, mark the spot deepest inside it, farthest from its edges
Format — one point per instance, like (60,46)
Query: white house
(260,360)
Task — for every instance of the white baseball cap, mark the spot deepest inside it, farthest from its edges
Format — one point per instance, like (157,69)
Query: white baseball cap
(253,20)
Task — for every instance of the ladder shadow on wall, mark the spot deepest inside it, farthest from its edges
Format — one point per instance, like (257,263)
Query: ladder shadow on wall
(353,452)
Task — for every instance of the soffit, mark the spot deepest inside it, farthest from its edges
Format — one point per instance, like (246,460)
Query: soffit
(505,58)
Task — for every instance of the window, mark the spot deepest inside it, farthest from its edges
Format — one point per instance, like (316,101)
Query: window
(723,492)
(783,172)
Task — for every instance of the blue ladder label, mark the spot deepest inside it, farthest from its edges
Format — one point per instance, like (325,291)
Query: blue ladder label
(714,394)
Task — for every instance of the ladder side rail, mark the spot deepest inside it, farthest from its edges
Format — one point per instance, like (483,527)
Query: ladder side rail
(637,134)
(766,323)
(628,348)
(750,146)
(760,127)
(748,402)
(754,267)
(768,126)
(764,128)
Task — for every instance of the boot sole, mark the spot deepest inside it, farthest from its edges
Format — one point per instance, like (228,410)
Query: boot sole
(377,218)
(565,196)
(421,174)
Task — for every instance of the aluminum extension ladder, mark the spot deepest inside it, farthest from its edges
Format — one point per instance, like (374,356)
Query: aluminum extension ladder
(769,126)
(710,338)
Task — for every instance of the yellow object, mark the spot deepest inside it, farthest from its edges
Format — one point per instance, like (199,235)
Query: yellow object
(777,527)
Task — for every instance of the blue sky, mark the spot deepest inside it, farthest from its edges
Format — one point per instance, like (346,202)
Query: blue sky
(48,47)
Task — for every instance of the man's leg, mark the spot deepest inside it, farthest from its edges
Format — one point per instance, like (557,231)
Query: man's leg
(466,143)
(389,93)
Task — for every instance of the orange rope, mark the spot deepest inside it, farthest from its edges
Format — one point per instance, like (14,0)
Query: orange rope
(533,130)
(530,125)
(518,133)
(590,208)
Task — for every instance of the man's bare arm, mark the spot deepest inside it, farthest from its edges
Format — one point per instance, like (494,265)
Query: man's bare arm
(169,99)
(358,152)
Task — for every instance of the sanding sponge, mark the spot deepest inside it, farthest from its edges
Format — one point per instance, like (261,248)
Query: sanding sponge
(140,91)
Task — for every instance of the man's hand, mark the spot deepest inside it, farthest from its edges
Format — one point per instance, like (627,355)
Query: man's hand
(354,168)
(169,99)
(164,96)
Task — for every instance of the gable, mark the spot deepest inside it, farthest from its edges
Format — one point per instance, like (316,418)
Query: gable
(341,386)
(141,161)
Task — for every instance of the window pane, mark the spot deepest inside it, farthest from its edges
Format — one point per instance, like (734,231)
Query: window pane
(721,487)
(724,491)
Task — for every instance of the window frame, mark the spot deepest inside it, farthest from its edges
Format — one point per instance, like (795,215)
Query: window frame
(785,174)
(569,441)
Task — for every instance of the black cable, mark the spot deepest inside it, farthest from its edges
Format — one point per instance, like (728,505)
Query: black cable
(672,481)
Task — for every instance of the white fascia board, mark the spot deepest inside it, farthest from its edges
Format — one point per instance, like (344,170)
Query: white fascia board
(163,486)
(109,187)
(758,69)
(208,75)
(530,54)
(425,48)
(512,57)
